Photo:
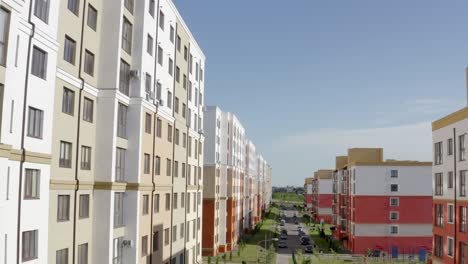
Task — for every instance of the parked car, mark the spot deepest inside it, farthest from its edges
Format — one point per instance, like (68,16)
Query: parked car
(284,231)
(282,244)
(283,236)
(282,223)
(309,249)
(376,253)
(305,241)
(296,222)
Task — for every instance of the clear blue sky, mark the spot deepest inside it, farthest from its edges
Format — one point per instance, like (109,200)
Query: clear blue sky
(311,78)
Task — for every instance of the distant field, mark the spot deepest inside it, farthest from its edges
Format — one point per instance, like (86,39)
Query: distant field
(290,197)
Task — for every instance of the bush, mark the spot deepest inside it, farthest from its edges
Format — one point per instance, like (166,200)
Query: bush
(230,256)
(209,260)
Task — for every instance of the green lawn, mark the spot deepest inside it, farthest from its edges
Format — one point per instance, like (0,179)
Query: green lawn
(288,197)
(248,252)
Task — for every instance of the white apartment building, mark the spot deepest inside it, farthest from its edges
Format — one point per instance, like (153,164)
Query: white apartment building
(105,136)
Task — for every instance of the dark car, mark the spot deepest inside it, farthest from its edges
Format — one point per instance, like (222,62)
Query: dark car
(282,244)
(376,253)
(305,241)
(309,249)
(284,231)
(284,236)
(296,222)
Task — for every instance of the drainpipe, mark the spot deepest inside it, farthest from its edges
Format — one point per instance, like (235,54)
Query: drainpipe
(23,130)
(154,133)
(455,193)
(77,179)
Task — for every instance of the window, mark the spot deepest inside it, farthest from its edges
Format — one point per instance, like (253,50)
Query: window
(184,110)
(117,252)
(83,253)
(145,204)
(182,200)
(157,165)
(462,183)
(124,82)
(394,201)
(85,158)
(88,110)
(190,63)
(450,213)
(169,133)
(156,203)
(148,84)
(177,74)
(439,185)
(176,136)
(160,56)
(89,63)
(185,53)
(168,167)
(41,10)
(439,215)
(69,49)
(32,184)
(166,236)
(175,200)
(462,147)
(393,230)
(171,66)
(127,35)
(168,201)
(73,6)
(92,17)
(394,187)
(198,223)
(39,61)
(149,45)
(120,164)
(438,153)
(439,246)
(146,166)
(129,5)
(176,169)
(450,180)
(61,256)
(161,20)
(155,241)
(118,209)
(174,234)
(122,121)
(183,170)
(182,230)
(178,43)
(65,154)
(449,246)
(450,146)
(171,34)
(462,252)
(158,127)
(463,219)
(188,203)
(184,81)
(144,246)
(84,206)
(194,229)
(151,8)
(30,245)
(63,208)
(394,173)
(169,99)
(148,123)
(176,105)
(4,28)
(35,121)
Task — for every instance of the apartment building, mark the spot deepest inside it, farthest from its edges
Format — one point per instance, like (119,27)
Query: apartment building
(28,55)
(233,182)
(308,193)
(382,204)
(322,196)
(116,94)
(449,181)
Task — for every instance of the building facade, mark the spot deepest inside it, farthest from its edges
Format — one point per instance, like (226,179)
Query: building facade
(234,182)
(106,135)
(449,181)
(308,193)
(322,196)
(382,204)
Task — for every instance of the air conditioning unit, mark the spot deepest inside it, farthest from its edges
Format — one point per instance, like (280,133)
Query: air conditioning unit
(128,243)
(135,74)
(150,94)
(200,131)
(161,102)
